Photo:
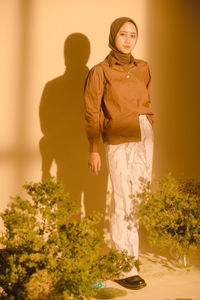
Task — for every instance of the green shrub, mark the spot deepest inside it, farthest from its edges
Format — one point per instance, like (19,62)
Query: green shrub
(170,211)
(47,252)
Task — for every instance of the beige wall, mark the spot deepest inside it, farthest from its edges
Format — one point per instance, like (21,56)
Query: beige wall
(173,52)
(33,33)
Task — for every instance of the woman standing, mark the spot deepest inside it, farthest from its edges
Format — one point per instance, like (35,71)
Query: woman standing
(117,106)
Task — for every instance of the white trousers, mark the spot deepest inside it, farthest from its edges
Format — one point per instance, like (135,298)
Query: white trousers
(126,163)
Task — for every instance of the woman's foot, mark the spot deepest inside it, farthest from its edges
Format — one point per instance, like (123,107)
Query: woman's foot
(133,282)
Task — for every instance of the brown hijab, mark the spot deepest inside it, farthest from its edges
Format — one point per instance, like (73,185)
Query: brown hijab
(114,28)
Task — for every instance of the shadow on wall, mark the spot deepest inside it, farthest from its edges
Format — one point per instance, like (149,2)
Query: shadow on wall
(62,123)
(173,50)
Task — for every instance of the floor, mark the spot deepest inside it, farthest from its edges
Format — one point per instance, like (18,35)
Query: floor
(165,280)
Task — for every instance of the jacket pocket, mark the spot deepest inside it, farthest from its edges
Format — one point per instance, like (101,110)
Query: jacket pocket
(123,125)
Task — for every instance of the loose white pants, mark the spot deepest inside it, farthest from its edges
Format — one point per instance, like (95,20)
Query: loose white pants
(126,163)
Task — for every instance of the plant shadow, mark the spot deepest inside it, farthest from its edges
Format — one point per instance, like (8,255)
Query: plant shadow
(109,293)
(163,256)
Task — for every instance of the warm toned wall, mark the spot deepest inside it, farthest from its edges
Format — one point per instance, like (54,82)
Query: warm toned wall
(173,49)
(42,127)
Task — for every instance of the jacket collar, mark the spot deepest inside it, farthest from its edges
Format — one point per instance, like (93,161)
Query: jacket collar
(113,61)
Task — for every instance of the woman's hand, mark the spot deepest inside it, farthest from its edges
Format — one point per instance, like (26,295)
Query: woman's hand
(94,162)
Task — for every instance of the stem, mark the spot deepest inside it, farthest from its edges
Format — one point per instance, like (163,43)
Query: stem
(185,260)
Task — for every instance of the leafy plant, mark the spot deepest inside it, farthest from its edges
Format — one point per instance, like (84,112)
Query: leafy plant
(170,211)
(47,252)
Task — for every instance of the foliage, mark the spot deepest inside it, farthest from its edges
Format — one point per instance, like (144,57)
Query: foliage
(170,211)
(190,186)
(48,252)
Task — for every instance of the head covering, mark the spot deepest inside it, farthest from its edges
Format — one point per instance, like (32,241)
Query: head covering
(123,58)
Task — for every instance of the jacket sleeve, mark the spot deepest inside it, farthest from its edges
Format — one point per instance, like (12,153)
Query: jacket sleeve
(93,92)
(148,86)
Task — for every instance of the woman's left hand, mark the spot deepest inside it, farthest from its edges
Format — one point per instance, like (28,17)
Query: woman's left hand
(94,162)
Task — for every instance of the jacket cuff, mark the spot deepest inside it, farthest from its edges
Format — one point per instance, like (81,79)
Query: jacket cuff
(151,119)
(94,146)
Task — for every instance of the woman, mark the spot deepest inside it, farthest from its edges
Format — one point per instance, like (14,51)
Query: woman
(117,106)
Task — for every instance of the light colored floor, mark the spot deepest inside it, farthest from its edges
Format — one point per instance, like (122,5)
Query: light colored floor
(164,280)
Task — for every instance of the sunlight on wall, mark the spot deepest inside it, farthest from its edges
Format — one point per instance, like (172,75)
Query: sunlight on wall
(9,89)
(33,34)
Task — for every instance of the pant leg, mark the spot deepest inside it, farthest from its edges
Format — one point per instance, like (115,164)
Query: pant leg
(140,155)
(126,163)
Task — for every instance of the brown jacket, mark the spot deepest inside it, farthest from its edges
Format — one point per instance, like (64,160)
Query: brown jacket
(114,97)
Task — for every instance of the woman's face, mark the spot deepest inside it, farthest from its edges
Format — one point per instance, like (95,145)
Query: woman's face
(126,38)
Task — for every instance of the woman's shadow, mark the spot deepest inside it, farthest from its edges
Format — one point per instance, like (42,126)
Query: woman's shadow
(62,123)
